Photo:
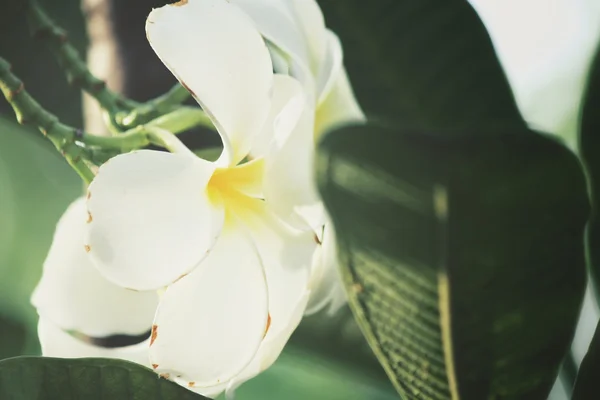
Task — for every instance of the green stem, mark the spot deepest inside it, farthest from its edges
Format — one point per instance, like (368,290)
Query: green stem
(56,38)
(156,107)
(167,140)
(122,113)
(183,119)
(28,111)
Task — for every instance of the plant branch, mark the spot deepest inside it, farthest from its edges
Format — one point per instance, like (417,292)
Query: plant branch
(78,146)
(159,106)
(28,111)
(77,73)
(122,113)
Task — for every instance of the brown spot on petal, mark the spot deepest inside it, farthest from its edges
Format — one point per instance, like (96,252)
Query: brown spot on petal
(182,276)
(180,3)
(165,376)
(154,366)
(317,240)
(89,194)
(90,219)
(154,334)
(268,324)
(191,384)
(87,248)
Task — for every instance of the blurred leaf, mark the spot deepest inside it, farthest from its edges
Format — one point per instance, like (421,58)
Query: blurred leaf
(40,378)
(35,188)
(586,385)
(463,258)
(590,152)
(306,375)
(427,63)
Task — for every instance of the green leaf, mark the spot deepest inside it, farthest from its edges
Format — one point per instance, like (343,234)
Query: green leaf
(427,64)
(43,378)
(463,258)
(586,385)
(590,152)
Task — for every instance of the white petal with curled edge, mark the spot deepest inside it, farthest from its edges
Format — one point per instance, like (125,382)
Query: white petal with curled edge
(330,67)
(338,108)
(287,97)
(57,343)
(269,350)
(152,220)
(215,50)
(326,283)
(209,325)
(276,22)
(289,186)
(74,296)
(287,256)
(310,18)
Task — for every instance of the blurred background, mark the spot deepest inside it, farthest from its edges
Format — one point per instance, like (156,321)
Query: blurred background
(327,357)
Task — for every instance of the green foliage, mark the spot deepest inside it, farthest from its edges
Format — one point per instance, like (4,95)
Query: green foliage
(427,64)
(590,152)
(463,257)
(44,378)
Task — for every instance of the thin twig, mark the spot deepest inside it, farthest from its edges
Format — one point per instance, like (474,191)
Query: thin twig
(43,28)
(123,113)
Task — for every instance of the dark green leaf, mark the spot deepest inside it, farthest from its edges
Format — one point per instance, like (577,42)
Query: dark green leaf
(43,378)
(590,151)
(586,385)
(427,64)
(463,258)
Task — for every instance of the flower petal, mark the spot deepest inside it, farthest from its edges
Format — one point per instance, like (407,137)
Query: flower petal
(102,308)
(151,219)
(326,283)
(286,107)
(310,18)
(289,186)
(331,66)
(277,23)
(338,108)
(287,255)
(270,349)
(57,343)
(245,178)
(213,48)
(210,323)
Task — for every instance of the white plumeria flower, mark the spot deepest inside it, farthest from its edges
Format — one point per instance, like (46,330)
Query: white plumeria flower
(72,296)
(238,277)
(302,47)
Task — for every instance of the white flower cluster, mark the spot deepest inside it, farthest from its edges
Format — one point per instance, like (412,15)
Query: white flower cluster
(219,260)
